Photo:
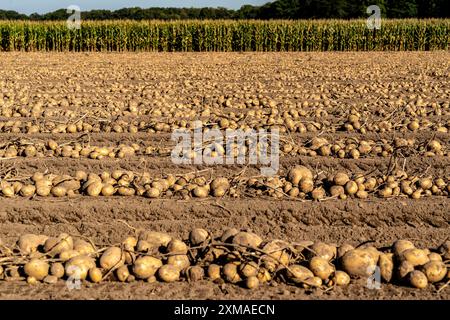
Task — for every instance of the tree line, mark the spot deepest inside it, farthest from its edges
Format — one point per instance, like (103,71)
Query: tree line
(280,9)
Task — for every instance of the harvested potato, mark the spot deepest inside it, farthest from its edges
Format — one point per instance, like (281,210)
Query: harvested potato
(37,269)
(358,263)
(230,272)
(321,267)
(444,250)
(323,250)
(401,245)
(177,246)
(195,273)
(295,175)
(95,275)
(198,236)
(343,249)
(418,279)
(247,239)
(83,246)
(417,257)
(168,273)
(386,264)
(313,282)
(228,234)
(252,282)
(57,270)
(54,246)
(78,267)
(113,257)
(248,269)
(146,266)
(157,238)
(341,278)
(180,261)
(29,243)
(122,273)
(435,271)
(214,271)
(404,269)
(297,273)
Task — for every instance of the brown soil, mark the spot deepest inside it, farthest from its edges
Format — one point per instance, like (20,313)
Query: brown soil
(107,221)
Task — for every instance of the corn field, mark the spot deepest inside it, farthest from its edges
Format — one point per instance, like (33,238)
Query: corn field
(227,36)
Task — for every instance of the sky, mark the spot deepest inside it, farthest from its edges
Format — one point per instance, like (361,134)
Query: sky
(44,6)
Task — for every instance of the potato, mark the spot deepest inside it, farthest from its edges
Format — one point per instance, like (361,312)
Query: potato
(401,245)
(341,179)
(198,236)
(195,273)
(32,280)
(27,191)
(78,267)
(298,173)
(94,188)
(153,193)
(220,183)
(168,273)
(181,261)
(130,243)
(321,267)
(58,191)
(297,273)
(157,238)
(435,271)
(444,250)
(83,247)
(344,248)
(37,269)
(263,275)
(386,264)
(418,279)
(248,269)
(252,282)
(146,266)
(275,255)
(247,239)
(313,282)
(68,254)
(108,190)
(29,243)
(122,273)
(228,234)
(50,280)
(416,257)
(434,257)
(404,269)
(57,270)
(54,246)
(112,257)
(323,250)
(95,275)
(230,273)
(214,271)
(177,246)
(358,263)
(341,278)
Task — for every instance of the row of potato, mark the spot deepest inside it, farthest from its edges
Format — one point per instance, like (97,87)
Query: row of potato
(299,183)
(352,148)
(313,106)
(243,121)
(236,256)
